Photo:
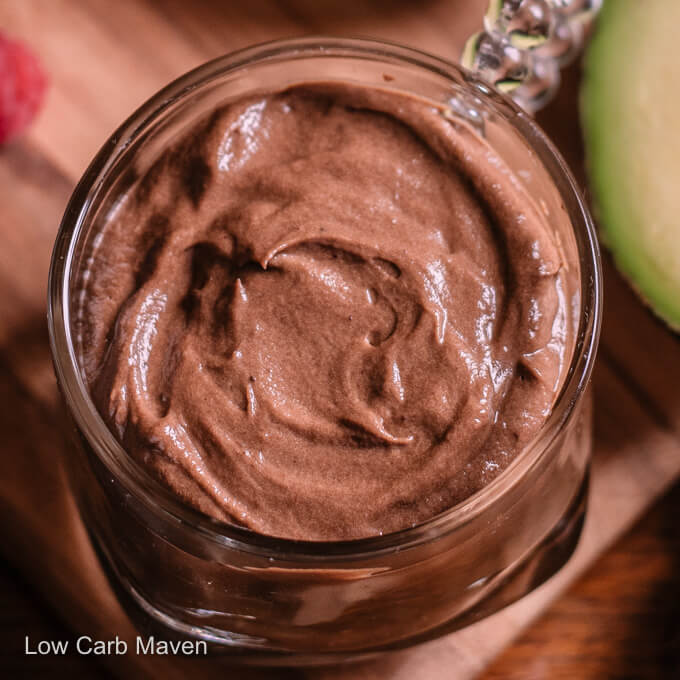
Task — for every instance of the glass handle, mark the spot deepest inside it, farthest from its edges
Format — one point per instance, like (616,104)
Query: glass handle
(525,43)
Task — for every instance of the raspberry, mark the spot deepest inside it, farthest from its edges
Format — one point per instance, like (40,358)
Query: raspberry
(22,86)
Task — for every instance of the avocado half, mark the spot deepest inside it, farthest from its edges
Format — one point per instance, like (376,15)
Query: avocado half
(630,111)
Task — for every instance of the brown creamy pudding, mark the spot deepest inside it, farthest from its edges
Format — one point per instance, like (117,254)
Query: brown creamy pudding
(328,312)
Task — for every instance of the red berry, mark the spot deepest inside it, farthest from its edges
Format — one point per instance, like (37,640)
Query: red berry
(22,86)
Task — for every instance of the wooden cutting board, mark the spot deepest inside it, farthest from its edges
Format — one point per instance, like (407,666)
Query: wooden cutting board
(104,59)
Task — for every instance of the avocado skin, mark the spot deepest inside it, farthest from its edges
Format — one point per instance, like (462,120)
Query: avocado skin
(607,122)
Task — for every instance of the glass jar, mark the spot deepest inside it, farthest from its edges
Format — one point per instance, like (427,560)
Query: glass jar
(268,599)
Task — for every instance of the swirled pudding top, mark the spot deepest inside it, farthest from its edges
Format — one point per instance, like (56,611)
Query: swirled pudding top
(325,313)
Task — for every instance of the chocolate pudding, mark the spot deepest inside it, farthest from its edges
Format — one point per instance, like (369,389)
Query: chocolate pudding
(324,313)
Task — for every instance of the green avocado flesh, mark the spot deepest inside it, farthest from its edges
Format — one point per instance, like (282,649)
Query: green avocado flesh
(631,120)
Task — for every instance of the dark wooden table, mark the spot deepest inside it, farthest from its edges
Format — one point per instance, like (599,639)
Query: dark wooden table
(622,619)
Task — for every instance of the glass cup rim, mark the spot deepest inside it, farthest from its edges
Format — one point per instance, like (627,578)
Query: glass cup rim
(160,500)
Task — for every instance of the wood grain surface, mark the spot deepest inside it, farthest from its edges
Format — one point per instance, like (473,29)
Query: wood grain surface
(104,59)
